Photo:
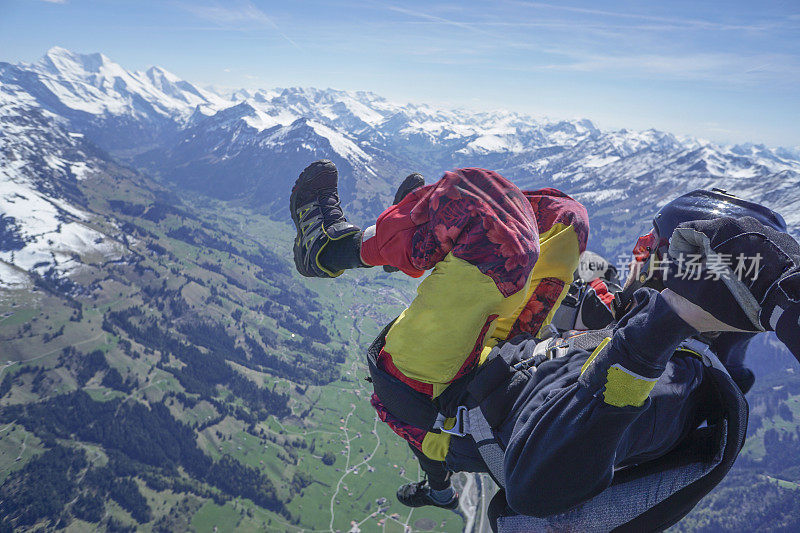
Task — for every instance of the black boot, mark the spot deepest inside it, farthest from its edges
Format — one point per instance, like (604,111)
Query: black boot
(317,215)
(419,495)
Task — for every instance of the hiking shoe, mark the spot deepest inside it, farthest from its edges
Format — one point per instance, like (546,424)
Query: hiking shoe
(317,215)
(412,182)
(418,495)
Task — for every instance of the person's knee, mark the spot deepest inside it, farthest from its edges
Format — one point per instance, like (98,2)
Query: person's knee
(541,500)
(545,487)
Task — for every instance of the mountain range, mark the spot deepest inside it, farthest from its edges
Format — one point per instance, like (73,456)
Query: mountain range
(146,217)
(249,145)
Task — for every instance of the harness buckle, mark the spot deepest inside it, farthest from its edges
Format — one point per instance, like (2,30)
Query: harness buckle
(707,355)
(460,428)
(558,349)
(551,348)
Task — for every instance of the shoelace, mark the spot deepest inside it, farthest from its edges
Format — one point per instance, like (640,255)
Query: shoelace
(326,210)
(321,210)
(418,486)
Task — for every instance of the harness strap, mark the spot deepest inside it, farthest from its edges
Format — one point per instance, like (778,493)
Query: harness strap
(479,427)
(491,452)
(589,340)
(705,352)
(411,406)
(565,317)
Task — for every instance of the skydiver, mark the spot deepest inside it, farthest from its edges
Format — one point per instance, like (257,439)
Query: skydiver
(502,261)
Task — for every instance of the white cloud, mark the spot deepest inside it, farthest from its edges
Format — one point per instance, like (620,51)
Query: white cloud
(433,18)
(696,23)
(730,68)
(237,16)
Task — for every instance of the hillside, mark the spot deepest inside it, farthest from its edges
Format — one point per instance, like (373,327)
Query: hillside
(191,379)
(165,369)
(761,493)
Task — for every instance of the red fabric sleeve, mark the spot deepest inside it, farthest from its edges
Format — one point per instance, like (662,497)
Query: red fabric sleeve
(552,206)
(394,230)
(474,213)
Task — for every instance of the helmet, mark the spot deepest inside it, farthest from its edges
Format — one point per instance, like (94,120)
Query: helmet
(708,205)
(696,205)
(701,205)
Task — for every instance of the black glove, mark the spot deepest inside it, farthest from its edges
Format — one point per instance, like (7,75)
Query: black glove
(749,276)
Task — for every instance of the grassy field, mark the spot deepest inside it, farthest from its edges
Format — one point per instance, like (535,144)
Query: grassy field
(17,447)
(754,446)
(370,460)
(355,492)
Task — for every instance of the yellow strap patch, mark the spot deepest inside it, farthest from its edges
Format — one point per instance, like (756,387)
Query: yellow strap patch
(624,388)
(436,445)
(594,354)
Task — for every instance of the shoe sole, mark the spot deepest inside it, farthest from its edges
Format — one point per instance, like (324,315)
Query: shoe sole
(307,175)
(411,183)
(450,506)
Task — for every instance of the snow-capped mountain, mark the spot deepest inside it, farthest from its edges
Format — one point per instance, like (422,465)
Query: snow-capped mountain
(100,98)
(45,221)
(95,84)
(264,140)
(254,150)
(250,145)
(257,147)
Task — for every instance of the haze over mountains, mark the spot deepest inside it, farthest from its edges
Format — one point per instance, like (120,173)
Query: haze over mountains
(166,368)
(250,145)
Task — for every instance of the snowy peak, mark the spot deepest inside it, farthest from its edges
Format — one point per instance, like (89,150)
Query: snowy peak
(62,62)
(345,110)
(161,77)
(182,91)
(260,95)
(93,84)
(246,113)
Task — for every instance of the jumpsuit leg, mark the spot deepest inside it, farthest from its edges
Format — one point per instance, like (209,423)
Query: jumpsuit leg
(600,414)
(437,472)
(480,235)
(463,457)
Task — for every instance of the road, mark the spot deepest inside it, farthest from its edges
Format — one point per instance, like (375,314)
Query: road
(476,494)
(488,489)
(477,489)
(355,336)
(467,503)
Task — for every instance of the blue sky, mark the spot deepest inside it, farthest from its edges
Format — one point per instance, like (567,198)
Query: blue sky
(727,71)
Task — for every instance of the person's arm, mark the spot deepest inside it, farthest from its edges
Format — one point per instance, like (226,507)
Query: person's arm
(563,452)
